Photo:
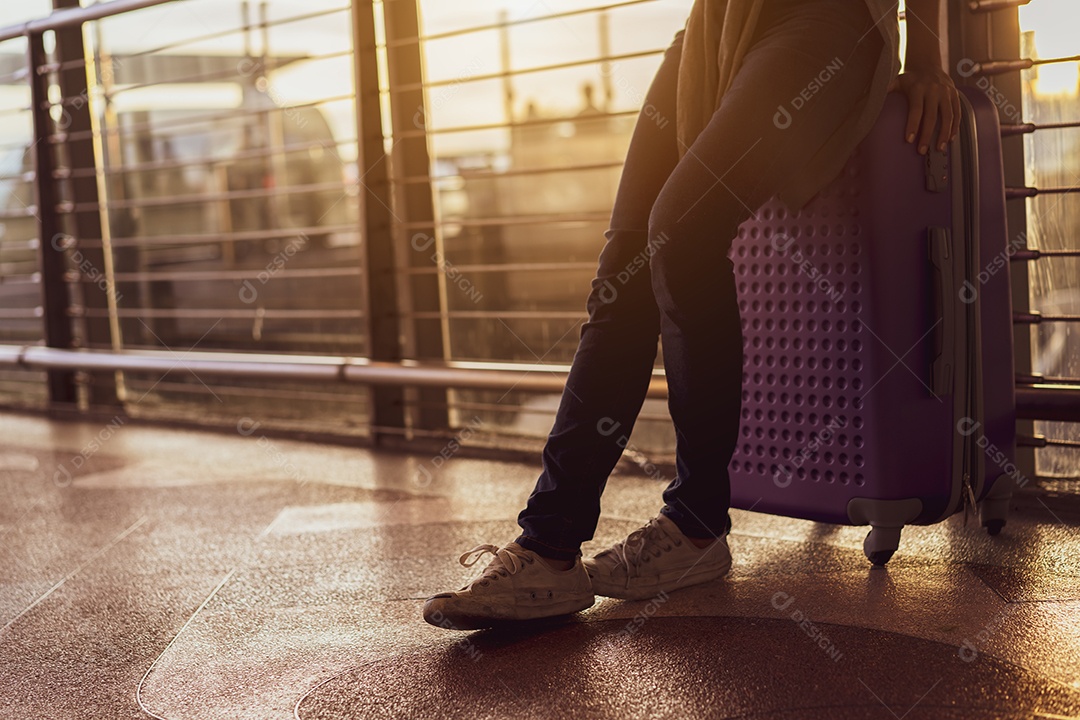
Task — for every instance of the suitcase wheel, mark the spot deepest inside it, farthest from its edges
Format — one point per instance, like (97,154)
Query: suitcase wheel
(880,558)
(880,544)
(995,506)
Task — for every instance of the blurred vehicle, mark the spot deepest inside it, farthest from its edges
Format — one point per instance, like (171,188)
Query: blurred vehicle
(202,178)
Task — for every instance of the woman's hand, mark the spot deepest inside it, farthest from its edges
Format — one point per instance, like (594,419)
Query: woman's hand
(932,100)
(932,97)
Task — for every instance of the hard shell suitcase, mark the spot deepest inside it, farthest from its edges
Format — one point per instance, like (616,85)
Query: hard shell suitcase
(878,378)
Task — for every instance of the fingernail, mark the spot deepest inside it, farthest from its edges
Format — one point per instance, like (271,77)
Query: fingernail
(923,149)
(911,137)
(941,147)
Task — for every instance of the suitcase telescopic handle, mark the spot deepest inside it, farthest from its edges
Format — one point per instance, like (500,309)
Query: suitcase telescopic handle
(945,297)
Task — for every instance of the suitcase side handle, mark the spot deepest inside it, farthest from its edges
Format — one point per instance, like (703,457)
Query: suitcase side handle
(944,308)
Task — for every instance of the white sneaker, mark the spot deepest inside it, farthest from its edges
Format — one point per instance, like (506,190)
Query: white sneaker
(655,558)
(516,585)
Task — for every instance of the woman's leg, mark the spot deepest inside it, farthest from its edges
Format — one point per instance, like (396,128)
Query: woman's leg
(614,359)
(818,55)
(742,158)
(686,293)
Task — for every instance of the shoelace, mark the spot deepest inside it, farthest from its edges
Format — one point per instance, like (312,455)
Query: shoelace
(507,562)
(651,530)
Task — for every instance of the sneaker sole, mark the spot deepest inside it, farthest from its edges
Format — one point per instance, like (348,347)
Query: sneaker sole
(441,614)
(644,588)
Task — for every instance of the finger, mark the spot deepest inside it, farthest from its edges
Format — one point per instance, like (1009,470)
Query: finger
(948,118)
(915,111)
(929,119)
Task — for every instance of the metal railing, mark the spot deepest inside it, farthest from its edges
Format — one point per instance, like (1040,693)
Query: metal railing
(1003,62)
(137,263)
(420,231)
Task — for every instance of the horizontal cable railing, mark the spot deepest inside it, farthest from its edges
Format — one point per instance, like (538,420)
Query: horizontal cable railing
(206,119)
(205,238)
(253,154)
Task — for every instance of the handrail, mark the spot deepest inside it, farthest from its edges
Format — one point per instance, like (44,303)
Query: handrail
(542,378)
(1039,401)
(1048,401)
(76,16)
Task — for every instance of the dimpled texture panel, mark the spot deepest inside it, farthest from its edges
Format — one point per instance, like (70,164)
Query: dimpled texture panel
(800,283)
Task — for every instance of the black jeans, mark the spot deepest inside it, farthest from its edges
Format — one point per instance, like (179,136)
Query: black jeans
(664,270)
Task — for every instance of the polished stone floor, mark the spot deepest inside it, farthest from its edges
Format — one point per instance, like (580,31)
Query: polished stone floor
(178,574)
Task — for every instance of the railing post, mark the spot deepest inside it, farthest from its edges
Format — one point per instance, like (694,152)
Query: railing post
(63,392)
(387,244)
(84,220)
(381,301)
(420,245)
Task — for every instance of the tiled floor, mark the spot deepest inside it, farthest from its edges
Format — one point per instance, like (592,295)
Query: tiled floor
(191,575)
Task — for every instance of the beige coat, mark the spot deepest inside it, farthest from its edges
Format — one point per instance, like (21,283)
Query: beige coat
(723,29)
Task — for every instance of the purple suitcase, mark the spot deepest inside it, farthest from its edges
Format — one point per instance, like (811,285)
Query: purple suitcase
(878,378)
